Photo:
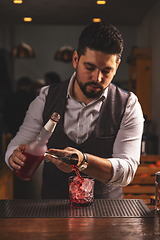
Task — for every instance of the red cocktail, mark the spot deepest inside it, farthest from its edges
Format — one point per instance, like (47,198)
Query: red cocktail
(81,191)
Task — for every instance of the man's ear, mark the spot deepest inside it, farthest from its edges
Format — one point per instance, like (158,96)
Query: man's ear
(118,64)
(75,59)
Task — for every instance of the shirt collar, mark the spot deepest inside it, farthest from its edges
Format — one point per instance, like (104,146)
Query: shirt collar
(69,90)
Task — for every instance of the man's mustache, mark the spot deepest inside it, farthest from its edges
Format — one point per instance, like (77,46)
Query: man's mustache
(94,84)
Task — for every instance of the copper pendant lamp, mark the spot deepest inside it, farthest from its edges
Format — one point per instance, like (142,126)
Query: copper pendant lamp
(22,51)
(64,54)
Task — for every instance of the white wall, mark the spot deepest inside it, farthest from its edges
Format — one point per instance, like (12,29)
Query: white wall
(149,36)
(45,40)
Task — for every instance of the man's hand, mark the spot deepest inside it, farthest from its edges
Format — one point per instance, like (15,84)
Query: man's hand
(61,153)
(17,159)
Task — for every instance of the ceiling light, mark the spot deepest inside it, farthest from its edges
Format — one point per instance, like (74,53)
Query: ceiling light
(22,51)
(101,2)
(96,20)
(17,1)
(64,54)
(27,19)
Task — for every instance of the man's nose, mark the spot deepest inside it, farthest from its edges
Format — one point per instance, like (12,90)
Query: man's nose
(98,76)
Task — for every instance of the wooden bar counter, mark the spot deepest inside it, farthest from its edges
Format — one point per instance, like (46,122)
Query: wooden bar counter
(88,228)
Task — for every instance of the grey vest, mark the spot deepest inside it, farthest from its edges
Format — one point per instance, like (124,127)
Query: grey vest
(99,143)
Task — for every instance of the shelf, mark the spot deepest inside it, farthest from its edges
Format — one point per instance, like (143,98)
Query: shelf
(140,77)
(143,184)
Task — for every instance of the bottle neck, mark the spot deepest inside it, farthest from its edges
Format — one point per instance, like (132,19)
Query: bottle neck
(46,132)
(43,137)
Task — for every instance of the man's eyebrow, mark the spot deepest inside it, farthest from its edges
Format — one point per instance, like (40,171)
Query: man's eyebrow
(92,65)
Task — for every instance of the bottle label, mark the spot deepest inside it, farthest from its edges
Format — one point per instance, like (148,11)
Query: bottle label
(50,126)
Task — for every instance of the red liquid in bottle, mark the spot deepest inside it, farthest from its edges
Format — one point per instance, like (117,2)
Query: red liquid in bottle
(32,163)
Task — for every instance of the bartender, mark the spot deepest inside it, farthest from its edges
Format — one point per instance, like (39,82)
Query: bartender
(100,122)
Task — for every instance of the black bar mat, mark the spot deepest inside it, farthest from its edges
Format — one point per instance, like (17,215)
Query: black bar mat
(29,208)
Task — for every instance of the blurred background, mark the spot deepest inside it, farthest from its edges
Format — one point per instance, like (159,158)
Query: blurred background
(46,40)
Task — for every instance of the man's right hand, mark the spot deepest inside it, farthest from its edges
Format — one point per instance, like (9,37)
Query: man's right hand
(17,159)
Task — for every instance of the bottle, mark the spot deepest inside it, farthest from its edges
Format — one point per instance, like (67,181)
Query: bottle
(157,191)
(36,149)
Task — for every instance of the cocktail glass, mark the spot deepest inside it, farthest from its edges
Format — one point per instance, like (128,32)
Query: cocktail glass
(81,191)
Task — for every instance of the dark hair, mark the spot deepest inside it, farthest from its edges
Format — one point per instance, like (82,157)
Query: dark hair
(101,37)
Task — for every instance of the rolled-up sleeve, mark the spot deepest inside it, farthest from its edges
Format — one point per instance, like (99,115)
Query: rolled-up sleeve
(127,145)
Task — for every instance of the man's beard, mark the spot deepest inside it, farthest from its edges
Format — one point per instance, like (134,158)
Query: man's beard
(90,94)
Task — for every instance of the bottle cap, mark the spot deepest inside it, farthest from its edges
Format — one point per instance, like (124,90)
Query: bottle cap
(55,117)
(158,177)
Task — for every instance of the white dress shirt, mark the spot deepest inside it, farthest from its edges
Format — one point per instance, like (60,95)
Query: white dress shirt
(79,122)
